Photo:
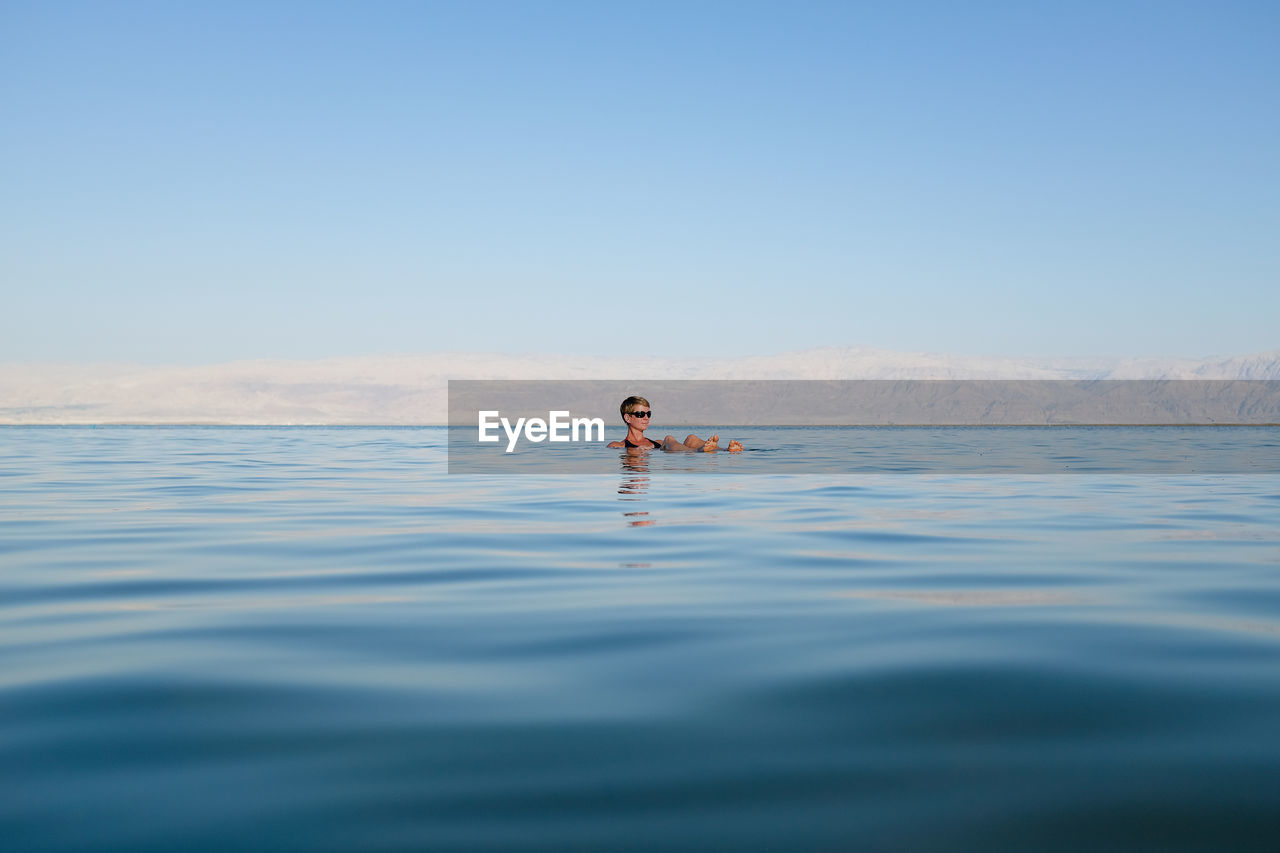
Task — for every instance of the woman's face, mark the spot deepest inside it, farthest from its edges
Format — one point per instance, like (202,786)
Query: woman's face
(634,418)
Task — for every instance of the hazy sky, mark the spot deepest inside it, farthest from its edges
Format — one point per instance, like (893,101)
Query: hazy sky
(186,182)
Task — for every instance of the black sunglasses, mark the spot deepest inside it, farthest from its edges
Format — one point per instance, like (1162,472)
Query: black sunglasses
(640,414)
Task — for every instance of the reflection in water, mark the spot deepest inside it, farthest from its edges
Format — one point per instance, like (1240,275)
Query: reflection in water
(635,484)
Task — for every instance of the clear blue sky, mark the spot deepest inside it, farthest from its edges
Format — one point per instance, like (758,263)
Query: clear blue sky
(206,182)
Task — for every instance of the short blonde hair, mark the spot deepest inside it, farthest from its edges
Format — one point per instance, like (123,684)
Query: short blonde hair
(630,403)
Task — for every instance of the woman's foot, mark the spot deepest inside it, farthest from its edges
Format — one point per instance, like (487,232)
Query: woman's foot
(735,446)
(711,444)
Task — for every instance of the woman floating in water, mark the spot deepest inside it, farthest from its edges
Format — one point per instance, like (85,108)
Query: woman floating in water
(636,412)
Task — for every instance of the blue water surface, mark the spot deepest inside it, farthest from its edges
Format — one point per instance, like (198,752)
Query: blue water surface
(313,638)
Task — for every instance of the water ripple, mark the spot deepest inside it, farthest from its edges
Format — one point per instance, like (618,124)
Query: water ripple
(318,639)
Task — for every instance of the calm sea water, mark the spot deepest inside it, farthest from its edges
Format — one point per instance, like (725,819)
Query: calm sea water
(223,638)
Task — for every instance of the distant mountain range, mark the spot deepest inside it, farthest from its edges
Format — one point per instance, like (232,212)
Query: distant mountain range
(413,389)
